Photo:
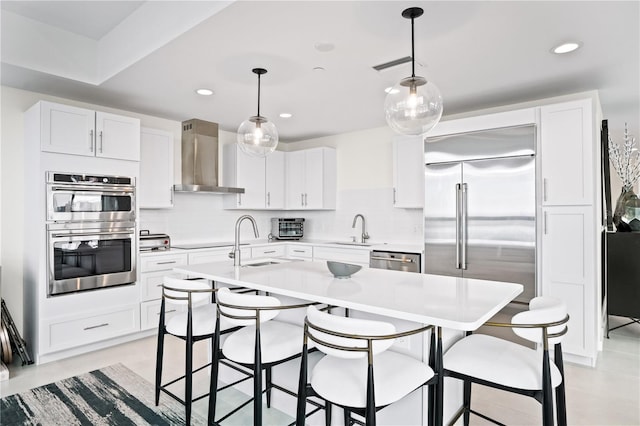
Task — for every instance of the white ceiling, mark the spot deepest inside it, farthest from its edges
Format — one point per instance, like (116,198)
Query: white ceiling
(149,57)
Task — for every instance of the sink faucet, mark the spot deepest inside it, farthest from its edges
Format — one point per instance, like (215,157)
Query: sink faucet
(235,254)
(365,236)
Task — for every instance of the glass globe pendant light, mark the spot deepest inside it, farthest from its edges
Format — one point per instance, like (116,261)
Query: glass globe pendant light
(257,136)
(414,105)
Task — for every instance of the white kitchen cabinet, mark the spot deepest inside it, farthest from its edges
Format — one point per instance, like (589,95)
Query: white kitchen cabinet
(567,145)
(408,172)
(153,268)
(155,186)
(72,130)
(311,179)
(276,250)
(358,256)
(261,178)
(568,251)
(299,251)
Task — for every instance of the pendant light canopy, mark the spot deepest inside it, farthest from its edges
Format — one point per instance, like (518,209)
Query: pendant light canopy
(414,105)
(257,136)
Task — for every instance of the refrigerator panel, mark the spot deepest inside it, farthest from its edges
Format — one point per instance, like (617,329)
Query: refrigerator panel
(499,220)
(440,218)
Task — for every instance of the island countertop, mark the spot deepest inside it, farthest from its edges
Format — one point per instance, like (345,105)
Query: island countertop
(449,302)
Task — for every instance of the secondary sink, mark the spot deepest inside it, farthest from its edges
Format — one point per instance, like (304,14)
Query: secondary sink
(351,243)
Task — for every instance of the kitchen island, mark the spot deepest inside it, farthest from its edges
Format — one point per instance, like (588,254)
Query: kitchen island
(452,303)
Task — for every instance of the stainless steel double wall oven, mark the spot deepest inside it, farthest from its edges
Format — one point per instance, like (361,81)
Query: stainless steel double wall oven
(91,236)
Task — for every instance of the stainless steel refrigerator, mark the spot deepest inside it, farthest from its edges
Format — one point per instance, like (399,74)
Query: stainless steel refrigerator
(480,206)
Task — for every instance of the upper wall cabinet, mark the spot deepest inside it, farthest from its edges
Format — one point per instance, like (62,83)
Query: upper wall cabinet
(79,131)
(311,179)
(408,172)
(261,178)
(567,153)
(155,186)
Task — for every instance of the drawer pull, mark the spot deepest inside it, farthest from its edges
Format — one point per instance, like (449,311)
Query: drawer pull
(97,326)
(168,262)
(391,259)
(166,312)
(299,251)
(269,251)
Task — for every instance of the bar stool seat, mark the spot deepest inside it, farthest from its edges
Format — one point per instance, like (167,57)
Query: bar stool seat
(278,341)
(520,367)
(204,322)
(344,381)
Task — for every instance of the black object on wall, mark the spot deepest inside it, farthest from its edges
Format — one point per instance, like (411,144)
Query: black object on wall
(623,275)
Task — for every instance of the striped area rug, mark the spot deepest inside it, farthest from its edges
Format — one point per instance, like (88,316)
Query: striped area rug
(110,396)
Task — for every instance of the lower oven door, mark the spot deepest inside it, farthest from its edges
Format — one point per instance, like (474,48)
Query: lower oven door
(90,256)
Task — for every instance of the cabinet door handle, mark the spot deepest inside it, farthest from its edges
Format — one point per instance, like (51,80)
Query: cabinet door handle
(544,223)
(305,199)
(544,189)
(97,326)
(458,212)
(464,227)
(91,140)
(167,262)
(239,199)
(302,199)
(394,196)
(268,199)
(101,141)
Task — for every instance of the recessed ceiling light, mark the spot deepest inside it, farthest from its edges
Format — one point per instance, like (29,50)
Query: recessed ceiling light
(566,47)
(204,92)
(324,46)
(286,115)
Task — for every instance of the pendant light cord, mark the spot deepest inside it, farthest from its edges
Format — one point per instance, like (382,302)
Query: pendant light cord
(258,95)
(413,56)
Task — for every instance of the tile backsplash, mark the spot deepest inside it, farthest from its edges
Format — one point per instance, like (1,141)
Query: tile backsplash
(201,218)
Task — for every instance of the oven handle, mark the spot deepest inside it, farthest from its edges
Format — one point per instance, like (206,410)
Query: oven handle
(88,188)
(90,234)
(393,259)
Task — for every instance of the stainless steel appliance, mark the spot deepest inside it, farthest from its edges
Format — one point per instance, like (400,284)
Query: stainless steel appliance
(200,159)
(287,228)
(395,261)
(480,206)
(90,255)
(91,232)
(76,197)
(152,242)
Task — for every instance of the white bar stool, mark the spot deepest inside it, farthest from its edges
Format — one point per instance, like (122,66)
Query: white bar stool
(345,377)
(505,365)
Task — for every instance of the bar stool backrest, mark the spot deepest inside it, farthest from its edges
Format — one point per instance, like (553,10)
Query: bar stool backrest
(244,317)
(177,291)
(347,333)
(542,310)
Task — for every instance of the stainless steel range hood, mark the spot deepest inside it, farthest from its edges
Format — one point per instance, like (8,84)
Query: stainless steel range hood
(200,159)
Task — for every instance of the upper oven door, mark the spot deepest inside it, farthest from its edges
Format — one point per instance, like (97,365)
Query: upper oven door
(76,203)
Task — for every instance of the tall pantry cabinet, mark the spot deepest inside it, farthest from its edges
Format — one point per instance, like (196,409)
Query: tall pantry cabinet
(571,217)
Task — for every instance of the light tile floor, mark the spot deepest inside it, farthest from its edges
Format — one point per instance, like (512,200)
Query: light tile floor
(606,395)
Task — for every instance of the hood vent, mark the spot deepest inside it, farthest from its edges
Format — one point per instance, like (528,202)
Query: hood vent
(200,159)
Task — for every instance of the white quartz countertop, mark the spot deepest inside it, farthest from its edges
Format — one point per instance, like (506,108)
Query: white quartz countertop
(449,302)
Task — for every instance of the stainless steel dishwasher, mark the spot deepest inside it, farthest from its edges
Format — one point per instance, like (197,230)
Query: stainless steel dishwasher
(395,261)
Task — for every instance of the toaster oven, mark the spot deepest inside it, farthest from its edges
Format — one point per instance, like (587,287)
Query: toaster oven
(287,228)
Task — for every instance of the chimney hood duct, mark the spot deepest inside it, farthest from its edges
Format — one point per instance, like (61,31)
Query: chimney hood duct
(200,159)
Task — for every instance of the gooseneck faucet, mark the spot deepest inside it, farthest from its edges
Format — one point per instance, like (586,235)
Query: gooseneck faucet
(235,254)
(365,236)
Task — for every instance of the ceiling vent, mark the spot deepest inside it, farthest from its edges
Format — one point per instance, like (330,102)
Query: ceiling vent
(393,63)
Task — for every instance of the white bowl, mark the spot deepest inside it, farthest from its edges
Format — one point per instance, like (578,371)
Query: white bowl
(342,270)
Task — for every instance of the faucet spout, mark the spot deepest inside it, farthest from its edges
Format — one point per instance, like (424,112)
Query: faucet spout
(235,254)
(364,236)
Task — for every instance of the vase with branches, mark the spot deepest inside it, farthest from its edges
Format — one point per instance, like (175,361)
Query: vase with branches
(625,159)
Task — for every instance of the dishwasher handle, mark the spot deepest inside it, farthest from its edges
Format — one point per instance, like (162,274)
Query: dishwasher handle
(393,259)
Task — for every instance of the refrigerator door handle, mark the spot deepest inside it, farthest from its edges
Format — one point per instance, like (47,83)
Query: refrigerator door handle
(458,193)
(463,225)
